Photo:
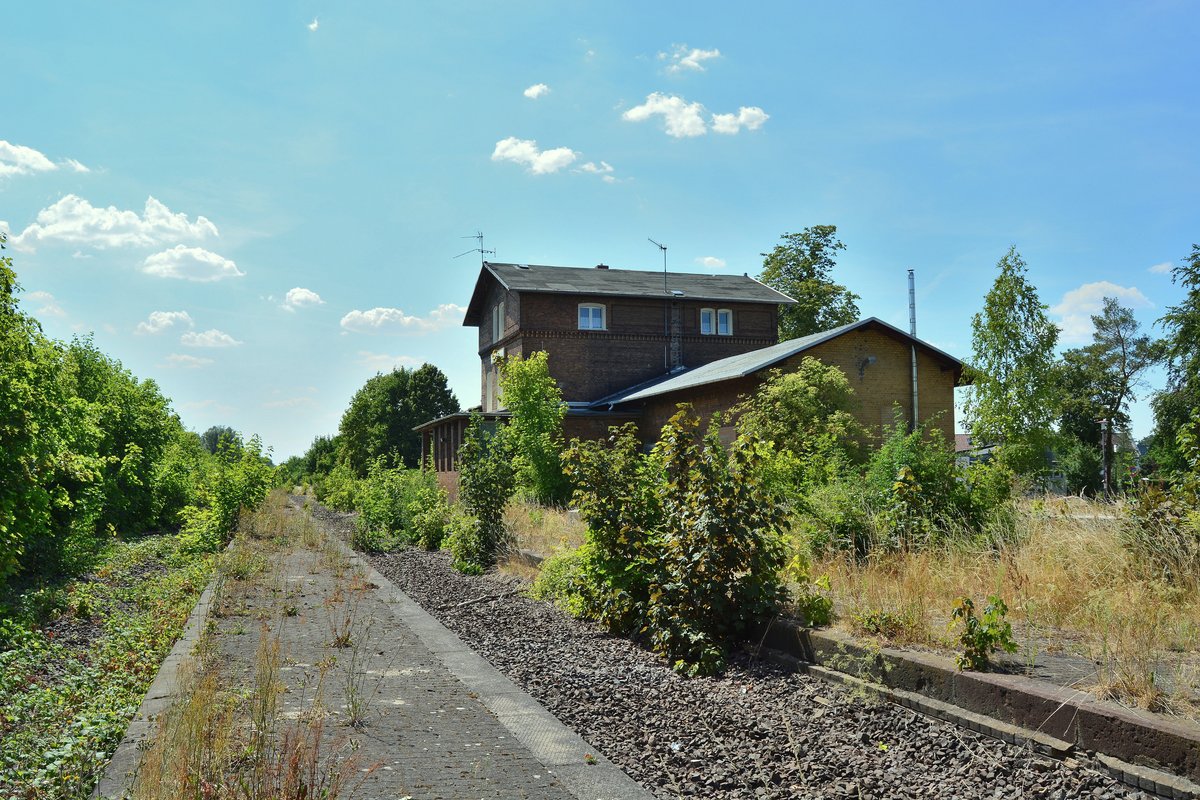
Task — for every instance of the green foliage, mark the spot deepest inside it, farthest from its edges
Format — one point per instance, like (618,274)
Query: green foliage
(429,515)
(486,481)
(1012,398)
(835,516)
(65,704)
(380,419)
(981,636)
(1174,405)
(616,492)
(1163,529)
(683,544)
(466,543)
(560,581)
(340,489)
(534,434)
(806,415)
(385,504)
(800,267)
(235,480)
(217,436)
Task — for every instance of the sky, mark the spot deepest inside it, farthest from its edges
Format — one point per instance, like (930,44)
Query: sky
(261,205)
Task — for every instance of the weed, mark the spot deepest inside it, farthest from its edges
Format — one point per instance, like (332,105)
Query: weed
(981,636)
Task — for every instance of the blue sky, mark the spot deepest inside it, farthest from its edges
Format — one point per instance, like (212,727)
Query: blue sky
(259,205)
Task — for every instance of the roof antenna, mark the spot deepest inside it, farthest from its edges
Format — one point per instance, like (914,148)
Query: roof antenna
(662,247)
(479,237)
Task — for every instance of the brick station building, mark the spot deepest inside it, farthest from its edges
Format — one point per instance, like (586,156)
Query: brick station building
(629,345)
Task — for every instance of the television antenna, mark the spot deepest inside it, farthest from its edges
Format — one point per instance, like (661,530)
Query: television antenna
(662,247)
(478,236)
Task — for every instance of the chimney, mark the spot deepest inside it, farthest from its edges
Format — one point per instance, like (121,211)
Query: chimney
(602,266)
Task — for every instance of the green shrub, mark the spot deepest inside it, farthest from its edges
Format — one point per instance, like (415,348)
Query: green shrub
(464,540)
(429,513)
(534,433)
(340,489)
(560,579)
(835,517)
(683,544)
(981,636)
(485,484)
(385,500)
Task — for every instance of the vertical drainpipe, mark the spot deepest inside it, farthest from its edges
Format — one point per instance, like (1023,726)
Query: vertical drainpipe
(912,329)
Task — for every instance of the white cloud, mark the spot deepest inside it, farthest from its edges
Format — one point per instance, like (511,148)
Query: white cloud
(711,262)
(749,117)
(382,362)
(536,91)
(393,320)
(186,361)
(683,58)
(312,26)
(159,321)
(525,152)
(683,119)
(1162,269)
(596,169)
(74,220)
(299,297)
(190,264)
(17,159)
(48,305)
(209,338)
(1078,305)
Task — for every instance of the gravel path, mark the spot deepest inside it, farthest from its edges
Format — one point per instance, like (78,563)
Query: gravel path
(756,732)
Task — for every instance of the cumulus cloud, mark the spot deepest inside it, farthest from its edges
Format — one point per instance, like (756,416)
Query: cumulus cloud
(682,119)
(685,59)
(74,220)
(312,26)
(300,297)
(382,362)
(208,338)
(596,169)
(17,159)
(526,153)
(47,304)
(393,320)
(749,117)
(159,321)
(185,361)
(711,262)
(1075,310)
(190,264)
(1162,269)
(536,91)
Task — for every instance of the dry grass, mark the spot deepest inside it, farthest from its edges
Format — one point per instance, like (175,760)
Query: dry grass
(543,530)
(1070,586)
(218,740)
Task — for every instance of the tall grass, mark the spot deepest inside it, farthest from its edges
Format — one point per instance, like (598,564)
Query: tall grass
(1070,584)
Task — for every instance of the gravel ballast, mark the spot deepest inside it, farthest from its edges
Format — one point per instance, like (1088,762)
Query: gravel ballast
(758,731)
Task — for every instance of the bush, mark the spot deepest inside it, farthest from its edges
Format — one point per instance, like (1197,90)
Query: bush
(981,636)
(429,513)
(385,498)
(560,580)
(340,489)
(683,544)
(534,433)
(485,484)
(465,541)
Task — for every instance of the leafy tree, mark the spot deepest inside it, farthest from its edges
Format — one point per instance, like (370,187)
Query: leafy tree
(800,267)
(806,415)
(1177,405)
(1097,382)
(382,414)
(212,438)
(534,433)
(485,485)
(1012,397)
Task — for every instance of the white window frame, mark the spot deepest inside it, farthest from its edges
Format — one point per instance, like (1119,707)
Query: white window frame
(498,321)
(726,315)
(591,317)
(709,315)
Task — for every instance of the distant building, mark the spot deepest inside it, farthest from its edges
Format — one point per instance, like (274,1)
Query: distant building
(628,345)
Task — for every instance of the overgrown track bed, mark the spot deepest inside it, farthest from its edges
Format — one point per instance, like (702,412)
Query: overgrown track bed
(756,732)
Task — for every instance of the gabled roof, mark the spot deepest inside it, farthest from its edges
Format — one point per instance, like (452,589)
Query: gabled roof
(620,283)
(744,364)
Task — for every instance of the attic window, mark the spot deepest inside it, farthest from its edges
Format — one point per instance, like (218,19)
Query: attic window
(677,293)
(591,317)
(522,266)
